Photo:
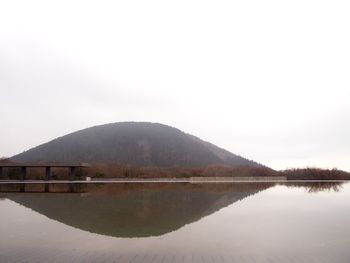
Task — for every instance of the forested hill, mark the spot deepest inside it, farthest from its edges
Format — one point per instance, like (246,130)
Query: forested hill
(136,143)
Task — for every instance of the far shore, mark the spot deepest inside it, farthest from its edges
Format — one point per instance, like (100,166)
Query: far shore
(195,180)
(129,173)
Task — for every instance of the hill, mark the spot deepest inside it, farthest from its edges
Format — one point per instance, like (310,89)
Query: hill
(135,143)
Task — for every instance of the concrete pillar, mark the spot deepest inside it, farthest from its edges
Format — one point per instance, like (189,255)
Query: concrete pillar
(47,178)
(72,173)
(47,173)
(23,173)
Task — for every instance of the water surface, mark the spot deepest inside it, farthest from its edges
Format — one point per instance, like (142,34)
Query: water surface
(178,222)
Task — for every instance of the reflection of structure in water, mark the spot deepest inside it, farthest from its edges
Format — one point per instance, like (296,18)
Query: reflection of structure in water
(42,187)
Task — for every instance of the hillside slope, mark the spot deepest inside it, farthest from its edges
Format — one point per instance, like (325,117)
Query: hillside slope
(136,143)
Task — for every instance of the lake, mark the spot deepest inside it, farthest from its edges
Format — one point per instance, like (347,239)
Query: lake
(175,222)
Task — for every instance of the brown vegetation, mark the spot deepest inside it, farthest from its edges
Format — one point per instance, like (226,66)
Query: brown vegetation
(99,170)
(316,174)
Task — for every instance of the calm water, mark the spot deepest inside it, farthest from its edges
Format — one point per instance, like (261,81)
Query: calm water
(158,223)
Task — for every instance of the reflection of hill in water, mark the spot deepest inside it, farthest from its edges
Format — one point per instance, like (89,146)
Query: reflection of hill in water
(136,210)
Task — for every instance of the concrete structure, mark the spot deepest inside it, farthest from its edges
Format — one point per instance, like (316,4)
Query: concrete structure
(24,168)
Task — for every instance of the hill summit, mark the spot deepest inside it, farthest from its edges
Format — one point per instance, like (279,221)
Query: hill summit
(136,143)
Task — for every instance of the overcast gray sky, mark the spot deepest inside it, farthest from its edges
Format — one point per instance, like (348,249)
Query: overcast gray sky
(269,80)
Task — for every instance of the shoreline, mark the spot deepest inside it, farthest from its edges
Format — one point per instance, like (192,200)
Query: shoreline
(168,180)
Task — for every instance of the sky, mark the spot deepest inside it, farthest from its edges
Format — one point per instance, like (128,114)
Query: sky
(268,80)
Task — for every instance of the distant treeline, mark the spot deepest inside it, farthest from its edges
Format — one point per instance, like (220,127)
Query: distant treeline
(130,171)
(315,174)
(104,170)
